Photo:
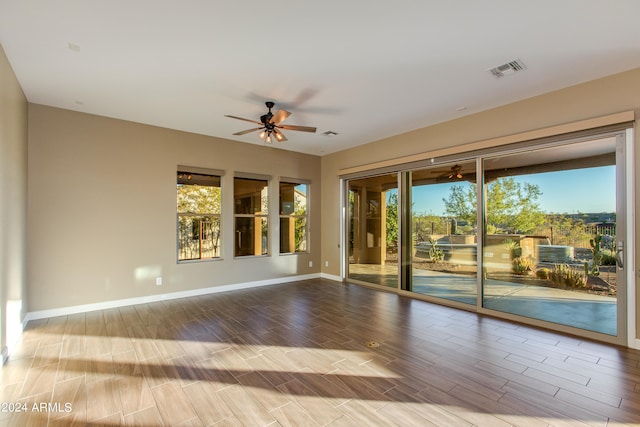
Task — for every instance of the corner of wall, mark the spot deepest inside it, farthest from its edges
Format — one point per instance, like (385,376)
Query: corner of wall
(13,206)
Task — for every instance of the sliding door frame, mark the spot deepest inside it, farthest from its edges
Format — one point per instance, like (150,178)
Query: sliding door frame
(623,319)
(626,311)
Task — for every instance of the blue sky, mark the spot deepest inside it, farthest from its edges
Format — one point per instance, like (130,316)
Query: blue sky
(572,191)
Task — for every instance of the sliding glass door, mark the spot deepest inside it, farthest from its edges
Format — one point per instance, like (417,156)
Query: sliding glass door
(373,230)
(552,234)
(444,232)
(534,232)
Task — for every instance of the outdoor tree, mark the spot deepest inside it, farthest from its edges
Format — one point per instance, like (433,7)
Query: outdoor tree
(426,224)
(511,206)
(200,199)
(461,203)
(392,218)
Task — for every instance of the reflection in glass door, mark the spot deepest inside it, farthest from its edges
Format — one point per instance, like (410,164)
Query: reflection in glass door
(444,230)
(373,230)
(549,248)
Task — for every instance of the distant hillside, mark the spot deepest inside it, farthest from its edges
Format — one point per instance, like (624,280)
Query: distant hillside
(589,218)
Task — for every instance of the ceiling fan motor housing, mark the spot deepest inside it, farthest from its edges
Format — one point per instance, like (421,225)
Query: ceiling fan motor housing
(267,117)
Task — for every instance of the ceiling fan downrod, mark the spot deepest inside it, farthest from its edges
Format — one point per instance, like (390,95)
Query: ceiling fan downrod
(265,118)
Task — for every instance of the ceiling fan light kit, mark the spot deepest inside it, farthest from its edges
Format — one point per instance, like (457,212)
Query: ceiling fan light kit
(270,126)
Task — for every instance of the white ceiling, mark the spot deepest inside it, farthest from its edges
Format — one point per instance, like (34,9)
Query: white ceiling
(365,69)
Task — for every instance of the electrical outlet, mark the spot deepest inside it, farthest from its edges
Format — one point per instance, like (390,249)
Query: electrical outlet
(310,264)
(158,281)
(326,263)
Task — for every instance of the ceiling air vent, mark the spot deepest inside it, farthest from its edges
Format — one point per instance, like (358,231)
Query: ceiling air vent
(329,133)
(508,68)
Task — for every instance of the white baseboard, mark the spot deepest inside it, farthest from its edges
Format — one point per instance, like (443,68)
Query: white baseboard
(331,277)
(65,311)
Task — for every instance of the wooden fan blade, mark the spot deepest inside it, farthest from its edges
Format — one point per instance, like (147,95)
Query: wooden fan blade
(280,136)
(242,132)
(279,116)
(300,128)
(241,118)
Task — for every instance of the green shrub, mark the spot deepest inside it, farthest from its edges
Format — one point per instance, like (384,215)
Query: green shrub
(435,253)
(592,269)
(607,257)
(543,273)
(513,248)
(575,279)
(522,265)
(564,275)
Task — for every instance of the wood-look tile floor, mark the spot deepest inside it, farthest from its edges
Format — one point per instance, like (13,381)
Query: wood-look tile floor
(311,353)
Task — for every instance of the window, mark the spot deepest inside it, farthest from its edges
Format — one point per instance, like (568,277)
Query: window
(251,209)
(199,196)
(293,217)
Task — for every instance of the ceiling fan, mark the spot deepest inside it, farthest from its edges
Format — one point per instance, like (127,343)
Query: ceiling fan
(456,172)
(442,174)
(270,125)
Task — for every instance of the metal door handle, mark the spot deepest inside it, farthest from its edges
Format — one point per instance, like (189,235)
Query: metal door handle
(620,255)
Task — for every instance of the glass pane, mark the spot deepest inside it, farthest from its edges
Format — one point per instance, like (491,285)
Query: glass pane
(444,232)
(198,237)
(251,236)
(293,230)
(293,199)
(549,250)
(199,194)
(250,196)
(373,230)
(293,234)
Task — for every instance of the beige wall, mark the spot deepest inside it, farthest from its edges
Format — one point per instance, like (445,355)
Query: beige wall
(605,96)
(102,209)
(13,203)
